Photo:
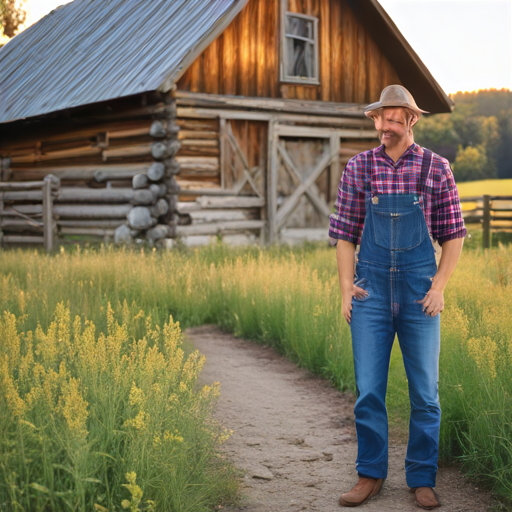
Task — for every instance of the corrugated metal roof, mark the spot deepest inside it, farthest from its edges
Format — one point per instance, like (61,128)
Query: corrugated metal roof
(96,50)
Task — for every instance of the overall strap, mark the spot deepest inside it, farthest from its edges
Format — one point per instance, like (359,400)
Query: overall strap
(425,170)
(368,189)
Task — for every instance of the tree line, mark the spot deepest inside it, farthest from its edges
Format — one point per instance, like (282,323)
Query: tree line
(476,137)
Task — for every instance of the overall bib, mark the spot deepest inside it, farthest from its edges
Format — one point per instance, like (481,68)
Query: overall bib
(395,266)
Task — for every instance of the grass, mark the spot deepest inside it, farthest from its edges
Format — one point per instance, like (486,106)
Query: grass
(289,299)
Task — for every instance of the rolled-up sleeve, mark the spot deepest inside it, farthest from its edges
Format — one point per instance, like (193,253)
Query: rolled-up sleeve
(347,220)
(447,221)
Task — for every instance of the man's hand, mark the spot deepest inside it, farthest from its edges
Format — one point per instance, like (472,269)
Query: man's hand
(346,307)
(433,302)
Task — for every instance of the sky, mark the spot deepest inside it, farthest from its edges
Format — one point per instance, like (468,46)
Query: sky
(466,44)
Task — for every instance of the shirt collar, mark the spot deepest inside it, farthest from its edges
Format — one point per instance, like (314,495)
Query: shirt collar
(413,149)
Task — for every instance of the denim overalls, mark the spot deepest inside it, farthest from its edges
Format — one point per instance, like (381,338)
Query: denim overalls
(395,266)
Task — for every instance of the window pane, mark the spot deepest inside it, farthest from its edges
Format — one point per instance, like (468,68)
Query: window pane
(300,55)
(299,27)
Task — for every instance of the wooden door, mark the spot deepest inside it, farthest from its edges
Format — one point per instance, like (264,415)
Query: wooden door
(299,192)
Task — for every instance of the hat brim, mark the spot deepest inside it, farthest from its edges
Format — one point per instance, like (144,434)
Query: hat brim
(377,105)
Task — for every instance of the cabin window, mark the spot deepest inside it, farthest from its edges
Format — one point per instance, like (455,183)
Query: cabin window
(299,61)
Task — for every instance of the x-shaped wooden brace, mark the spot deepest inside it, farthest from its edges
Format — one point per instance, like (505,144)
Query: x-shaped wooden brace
(250,174)
(306,186)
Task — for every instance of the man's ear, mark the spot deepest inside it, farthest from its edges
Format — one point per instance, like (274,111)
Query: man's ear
(414,120)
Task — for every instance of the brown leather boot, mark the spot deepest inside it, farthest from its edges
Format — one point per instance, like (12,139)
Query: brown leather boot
(426,498)
(363,491)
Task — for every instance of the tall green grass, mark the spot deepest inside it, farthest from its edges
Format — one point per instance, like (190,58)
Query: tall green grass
(290,299)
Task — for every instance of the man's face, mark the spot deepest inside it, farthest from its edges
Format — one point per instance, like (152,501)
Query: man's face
(392,127)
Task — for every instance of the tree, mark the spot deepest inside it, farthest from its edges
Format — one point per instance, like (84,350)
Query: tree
(12,17)
(438,134)
(472,164)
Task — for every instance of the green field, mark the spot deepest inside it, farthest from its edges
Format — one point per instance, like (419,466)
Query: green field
(285,298)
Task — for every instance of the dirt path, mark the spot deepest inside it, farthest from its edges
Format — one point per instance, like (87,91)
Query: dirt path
(294,435)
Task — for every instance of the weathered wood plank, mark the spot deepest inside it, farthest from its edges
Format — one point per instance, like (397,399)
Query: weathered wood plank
(219,227)
(189,99)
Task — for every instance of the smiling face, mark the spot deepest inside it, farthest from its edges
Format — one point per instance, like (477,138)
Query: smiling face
(394,127)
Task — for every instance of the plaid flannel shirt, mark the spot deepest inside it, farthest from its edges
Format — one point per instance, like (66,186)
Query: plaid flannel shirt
(440,203)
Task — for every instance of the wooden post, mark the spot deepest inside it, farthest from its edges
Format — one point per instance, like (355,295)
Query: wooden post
(487,222)
(47,214)
(222,156)
(335,167)
(272,182)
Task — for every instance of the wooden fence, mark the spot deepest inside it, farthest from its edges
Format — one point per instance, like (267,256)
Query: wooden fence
(26,212)
(492,212)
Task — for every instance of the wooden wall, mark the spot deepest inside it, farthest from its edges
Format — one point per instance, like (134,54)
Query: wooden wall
(244,59)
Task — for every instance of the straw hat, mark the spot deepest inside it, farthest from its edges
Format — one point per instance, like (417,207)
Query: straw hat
(395,96)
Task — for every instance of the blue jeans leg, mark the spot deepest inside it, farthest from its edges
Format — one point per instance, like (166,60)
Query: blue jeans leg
(372,340)
(419,337)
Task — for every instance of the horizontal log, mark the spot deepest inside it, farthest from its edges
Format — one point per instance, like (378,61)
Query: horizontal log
(208,163)
(83,172)
(194,99)
(25,209)
(85,151)
(197,134)
(105,195)
(19,239)
(134,132)
(210,215)
(188,206)
(308,131)
(198,124)
(22,195)
(96,211)
(199,151)
(195,184)
(86,231)
(98,223)
(200,143)
(27,185)
(127,151)
(231,202)
(219,227)
(198,173)
(17,224)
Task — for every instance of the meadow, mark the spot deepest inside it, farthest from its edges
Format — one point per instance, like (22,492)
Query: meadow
(86,321)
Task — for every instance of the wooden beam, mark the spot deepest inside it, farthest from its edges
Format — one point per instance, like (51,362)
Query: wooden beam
(219,227)
(334,144)
(17,239)
(230,202)
(212,113)
(271,182)
(311,131)
(194,99)
(48,214)
(96,211)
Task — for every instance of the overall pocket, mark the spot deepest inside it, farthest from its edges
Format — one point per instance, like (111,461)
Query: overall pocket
(398,231)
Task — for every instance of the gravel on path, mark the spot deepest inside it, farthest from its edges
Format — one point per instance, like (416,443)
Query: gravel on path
(294,435)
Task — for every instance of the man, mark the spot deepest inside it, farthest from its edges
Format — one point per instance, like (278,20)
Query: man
(392,200)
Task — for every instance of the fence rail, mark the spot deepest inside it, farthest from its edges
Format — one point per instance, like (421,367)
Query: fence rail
(31,223)
(492,212)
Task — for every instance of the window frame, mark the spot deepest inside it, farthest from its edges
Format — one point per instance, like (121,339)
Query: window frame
(284,57)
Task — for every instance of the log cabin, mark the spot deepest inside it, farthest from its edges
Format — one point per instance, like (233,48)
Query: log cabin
(192,119)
